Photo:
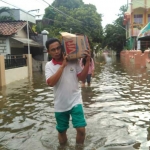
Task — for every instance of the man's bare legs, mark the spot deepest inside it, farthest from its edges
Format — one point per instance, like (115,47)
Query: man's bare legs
(80,138)
(62,138)
(80,135)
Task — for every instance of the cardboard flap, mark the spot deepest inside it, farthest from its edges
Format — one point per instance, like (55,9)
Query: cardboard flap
(67,35)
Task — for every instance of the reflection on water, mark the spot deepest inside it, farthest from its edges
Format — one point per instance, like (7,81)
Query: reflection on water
(117,108)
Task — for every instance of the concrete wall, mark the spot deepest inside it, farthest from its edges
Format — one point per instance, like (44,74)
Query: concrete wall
(15,74)
(43,65)
(37,65)
(137,4)
(2,71)
(10,74)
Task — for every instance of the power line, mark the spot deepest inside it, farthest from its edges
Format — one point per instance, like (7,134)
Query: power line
(13,6)
(46,3)
(9,3)
(24,10)
(83,24)
(61,11)
(60,22)
(41,2)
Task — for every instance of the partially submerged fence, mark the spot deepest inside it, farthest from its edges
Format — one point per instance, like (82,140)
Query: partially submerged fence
(15,61)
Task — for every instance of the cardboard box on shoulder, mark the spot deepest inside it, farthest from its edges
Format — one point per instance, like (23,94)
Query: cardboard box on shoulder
(74,45)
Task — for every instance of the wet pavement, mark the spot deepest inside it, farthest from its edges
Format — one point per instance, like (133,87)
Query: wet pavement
(117,109)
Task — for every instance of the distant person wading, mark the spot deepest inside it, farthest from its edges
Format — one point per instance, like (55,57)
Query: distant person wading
(90,70)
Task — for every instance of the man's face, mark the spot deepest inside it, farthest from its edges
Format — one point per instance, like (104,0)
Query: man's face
(55,50)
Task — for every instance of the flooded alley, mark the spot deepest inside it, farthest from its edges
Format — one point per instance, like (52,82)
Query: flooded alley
(117,109)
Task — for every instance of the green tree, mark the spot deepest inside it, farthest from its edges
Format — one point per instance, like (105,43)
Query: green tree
(115,34)
(6,14)
(69,4)
(74,16)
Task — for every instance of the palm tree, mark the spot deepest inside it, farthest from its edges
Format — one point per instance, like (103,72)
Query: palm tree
(6,14)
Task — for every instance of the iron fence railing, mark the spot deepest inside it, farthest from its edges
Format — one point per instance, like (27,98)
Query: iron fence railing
(15,61)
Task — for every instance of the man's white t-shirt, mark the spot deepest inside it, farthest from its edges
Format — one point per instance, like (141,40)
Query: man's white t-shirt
(66,91)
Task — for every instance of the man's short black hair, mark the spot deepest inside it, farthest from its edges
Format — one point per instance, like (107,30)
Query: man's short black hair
(50,41)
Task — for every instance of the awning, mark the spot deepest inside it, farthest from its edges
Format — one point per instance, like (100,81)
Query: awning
(144,33)
(25,42)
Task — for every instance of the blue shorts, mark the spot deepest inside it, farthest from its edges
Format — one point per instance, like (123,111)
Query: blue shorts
(88,78)
(78,119)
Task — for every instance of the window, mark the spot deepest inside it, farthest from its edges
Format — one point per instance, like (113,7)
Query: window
(138,18)
(148,17)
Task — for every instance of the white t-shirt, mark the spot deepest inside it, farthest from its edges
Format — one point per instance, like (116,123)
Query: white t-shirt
(66,91)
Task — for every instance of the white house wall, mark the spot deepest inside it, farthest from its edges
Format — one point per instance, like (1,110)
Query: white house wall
(3,48)
(27,17)
(148,4)
(21,34)
(8,51)
(19,14)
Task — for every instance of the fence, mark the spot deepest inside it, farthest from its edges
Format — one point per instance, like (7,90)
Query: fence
(15,61)
(14,68)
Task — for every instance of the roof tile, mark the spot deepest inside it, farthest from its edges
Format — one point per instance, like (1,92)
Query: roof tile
(12,27)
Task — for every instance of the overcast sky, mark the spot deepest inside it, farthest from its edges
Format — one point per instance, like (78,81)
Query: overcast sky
(109,8)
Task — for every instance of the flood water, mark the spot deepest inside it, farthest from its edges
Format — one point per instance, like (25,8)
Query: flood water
(117,109)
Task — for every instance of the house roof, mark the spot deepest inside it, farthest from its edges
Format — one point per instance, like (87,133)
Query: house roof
(11,27)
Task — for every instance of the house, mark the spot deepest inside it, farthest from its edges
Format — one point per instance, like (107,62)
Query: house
(18,40)
(14,39)
(21,49)
(136,17)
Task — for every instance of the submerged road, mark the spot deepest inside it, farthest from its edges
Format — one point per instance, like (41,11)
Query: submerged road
(117,109)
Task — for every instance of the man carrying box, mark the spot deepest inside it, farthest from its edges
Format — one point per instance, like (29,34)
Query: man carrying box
(63,75)
(74,44)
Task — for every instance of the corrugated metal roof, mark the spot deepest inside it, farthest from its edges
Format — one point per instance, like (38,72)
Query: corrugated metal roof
(25,42)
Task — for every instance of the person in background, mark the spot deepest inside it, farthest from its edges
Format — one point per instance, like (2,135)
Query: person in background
(63,75)
(90,70)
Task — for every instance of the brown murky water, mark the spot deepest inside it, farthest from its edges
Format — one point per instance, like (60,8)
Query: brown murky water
(117,108)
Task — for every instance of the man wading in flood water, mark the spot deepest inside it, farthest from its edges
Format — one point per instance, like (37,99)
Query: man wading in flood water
(63,75)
